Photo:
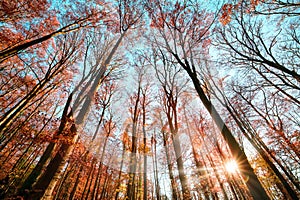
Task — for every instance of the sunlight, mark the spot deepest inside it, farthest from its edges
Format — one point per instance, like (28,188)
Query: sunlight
(231,166)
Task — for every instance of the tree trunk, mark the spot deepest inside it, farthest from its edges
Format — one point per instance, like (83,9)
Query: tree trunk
(173,181)
(200,172)
(62,185)
(30,180)
(45,185)
(98,183)
(145,148)
(120,172)
(72,194)
(157,187)
(56,165)
(89,179)
(256,189)
(4,54)
(133,159)
(261,149)
(179,161)
(133,162)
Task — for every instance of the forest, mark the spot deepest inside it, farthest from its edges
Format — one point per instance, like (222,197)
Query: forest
(149,99)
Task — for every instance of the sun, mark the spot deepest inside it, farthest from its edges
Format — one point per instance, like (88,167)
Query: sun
(231,166)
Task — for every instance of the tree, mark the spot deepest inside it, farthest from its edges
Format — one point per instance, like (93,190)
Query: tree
(87,86)
(247,42)
(273,78)
(18,13)
(135,111)
(61,61)
(41,88)
(57,163)
(181,30)
(168,78)
(238,114)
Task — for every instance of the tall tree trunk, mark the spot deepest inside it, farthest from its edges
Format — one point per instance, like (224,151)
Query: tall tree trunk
(133,163)
(261,148)
(65,176)
(139,190)
(179,161)
(169,163)
(211,193)
(45,185)
(54,169)
(100,173)
(7,53)
(255,187)
(89,180)
(213,166)
(200,172)
(157,187)
(105,184)
(120,172)
(97,182)
(145,148)
(73,191)
(133,155)
(30,180)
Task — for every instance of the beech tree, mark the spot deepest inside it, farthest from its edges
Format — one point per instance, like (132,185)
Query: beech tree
(239,115)
(42,23)
(182,29)
(59,160)
(273,78)
(149,99)
(169,78)
(37,82)
(40,87)
(135,112)
(138,109)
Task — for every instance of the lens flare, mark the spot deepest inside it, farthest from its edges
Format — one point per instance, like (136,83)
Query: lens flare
(231,166)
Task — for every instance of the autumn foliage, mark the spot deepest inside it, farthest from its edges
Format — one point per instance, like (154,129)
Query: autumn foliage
(122,99)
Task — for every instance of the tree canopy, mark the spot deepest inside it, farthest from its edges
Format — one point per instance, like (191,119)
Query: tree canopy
(138,99)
